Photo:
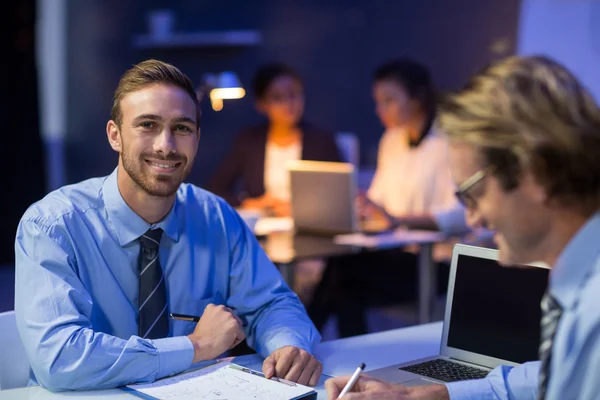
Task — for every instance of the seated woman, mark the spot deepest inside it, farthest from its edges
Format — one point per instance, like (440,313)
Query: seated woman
(412,179)
(253,175)
(412,186)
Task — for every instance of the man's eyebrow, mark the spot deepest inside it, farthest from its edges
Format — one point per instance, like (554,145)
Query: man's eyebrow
(152,117)
(185,119)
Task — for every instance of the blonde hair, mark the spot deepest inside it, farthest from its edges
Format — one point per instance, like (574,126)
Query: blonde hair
(147,73)
(531,113)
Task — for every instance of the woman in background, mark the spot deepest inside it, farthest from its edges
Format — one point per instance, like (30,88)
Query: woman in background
(412,182)
(412,186)
(253,174)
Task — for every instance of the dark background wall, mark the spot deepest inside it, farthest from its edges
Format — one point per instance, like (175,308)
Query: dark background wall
(334,44)
(23,175)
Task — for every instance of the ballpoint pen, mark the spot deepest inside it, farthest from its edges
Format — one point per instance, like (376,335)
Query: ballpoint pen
(184,317)
(192,318)
(352,380)
(253,372)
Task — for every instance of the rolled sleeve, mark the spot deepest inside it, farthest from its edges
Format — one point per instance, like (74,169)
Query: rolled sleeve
(274,314)
(502,383)
(54,318)
(283,339)
(175,354)
(452,221)
(478,389)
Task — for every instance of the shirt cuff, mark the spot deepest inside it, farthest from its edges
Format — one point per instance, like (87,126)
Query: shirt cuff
(175,354)
(470,390)
(283,340)
(451,221)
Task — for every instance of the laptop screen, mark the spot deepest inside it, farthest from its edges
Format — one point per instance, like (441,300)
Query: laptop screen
(496,310)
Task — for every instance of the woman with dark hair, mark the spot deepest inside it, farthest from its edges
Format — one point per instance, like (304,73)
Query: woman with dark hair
(412,187)
(412,182)
(255,166)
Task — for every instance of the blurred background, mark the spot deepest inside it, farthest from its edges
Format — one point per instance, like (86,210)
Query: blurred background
(64,59)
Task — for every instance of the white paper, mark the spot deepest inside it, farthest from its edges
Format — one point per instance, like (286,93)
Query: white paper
(220,382)
(265,226)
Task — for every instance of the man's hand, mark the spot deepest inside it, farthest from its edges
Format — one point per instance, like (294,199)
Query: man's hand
(367,388)
(364,388)
(293,364)
(217,331)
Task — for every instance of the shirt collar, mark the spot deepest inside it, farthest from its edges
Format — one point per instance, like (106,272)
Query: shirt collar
(424,132)
(576,263)
(128,225)
(403,134)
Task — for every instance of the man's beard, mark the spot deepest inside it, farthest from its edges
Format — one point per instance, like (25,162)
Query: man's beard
(155,185)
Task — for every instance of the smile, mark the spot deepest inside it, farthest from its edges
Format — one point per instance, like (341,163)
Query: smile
(166,165)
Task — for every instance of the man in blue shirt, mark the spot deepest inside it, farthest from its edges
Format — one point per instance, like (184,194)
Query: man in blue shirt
(101,264)
(525,153)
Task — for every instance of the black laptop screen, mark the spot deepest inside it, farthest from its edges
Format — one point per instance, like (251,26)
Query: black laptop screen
(496,310)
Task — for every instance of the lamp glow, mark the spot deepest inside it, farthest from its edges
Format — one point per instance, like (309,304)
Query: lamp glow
(223,86)
(227,93)
(217,104)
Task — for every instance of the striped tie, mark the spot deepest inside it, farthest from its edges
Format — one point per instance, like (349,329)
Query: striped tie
(551,313)
(153,318)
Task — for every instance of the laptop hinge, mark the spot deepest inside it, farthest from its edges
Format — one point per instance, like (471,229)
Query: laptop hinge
(467,362)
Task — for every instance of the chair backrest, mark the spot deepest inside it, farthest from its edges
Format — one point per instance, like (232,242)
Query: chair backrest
(14,365)
(349,147)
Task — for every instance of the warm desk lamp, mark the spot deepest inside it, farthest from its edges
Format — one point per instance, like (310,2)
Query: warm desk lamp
(223,86)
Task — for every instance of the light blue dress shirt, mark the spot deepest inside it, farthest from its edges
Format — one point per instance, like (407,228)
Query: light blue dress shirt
(575,363)
(76,294)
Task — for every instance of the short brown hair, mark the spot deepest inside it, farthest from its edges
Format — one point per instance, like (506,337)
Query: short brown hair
(147,73)
(531,113)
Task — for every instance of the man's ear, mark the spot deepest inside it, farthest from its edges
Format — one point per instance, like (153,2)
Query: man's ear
(534,190)
(114,138)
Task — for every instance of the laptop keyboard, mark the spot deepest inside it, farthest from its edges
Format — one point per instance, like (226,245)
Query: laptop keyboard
(445,371)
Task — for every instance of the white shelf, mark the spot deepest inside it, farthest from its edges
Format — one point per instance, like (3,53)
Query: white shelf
(199,39)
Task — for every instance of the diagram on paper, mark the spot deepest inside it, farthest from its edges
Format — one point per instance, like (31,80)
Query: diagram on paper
(220,382)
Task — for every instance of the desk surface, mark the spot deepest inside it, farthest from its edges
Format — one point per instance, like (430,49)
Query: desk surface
(284,246)
(287,247)
(377,350)
(339,357)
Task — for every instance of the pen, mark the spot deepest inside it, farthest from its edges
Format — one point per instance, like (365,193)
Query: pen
(251,371)
(352,380)
(191,318)
(185,317)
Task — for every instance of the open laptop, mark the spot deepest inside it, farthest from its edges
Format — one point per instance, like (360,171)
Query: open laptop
(492,318)
(323,196)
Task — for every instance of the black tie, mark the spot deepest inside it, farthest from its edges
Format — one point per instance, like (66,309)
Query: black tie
(551,313)
(153,319)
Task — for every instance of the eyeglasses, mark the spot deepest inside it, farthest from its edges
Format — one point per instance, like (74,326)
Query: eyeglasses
(463,195)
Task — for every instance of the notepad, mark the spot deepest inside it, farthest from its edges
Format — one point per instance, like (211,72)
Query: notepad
(222,381)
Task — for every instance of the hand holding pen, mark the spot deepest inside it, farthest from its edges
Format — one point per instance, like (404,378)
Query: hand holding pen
(365,387)
(352,381)
(359,386)
(217,330)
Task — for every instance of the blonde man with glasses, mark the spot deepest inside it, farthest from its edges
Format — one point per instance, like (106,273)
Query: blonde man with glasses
(525,153)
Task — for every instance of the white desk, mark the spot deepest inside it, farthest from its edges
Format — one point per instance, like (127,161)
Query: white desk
(339,357)
(377,350)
